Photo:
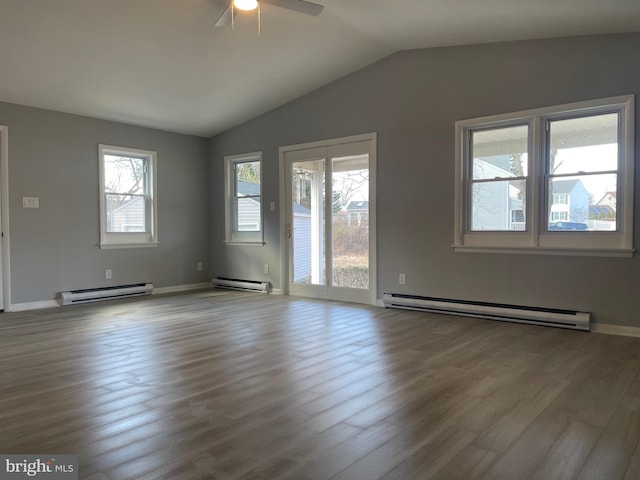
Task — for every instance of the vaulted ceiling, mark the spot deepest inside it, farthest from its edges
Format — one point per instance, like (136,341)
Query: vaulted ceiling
(162,64)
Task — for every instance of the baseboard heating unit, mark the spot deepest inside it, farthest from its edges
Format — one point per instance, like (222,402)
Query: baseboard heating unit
(550,317)
(242,285)
(106,293)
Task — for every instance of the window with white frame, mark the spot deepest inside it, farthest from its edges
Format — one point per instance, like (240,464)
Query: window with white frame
(560,199)
(550,164)
(243,198)
(128,209)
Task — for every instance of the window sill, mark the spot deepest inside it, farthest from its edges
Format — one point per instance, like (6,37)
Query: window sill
(583,252)
(113,246)
(231,243)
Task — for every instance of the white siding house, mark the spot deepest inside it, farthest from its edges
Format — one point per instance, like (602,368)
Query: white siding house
(302,243)
(128,217)
(249,214)
(496,205)
(569,201)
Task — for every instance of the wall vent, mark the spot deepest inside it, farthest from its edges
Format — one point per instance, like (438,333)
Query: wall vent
(106,293)
(243,285)
(550,317)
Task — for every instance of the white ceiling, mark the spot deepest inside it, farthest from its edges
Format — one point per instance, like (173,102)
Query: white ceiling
(161,63)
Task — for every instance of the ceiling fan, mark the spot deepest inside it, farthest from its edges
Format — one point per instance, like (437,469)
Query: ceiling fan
(301,6)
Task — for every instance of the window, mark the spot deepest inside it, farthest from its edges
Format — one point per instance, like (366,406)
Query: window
(128,216)
(517,216)
(560,199)
(244,199)
(559,216)
(519,173)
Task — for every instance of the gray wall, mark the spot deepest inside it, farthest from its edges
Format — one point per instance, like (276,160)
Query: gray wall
(412,100)
(54,156)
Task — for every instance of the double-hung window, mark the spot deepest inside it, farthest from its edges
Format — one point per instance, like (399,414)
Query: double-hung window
(539,181)
(243,199)
(128,216)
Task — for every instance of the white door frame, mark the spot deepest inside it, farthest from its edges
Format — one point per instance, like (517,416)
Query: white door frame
(4,217)
(284,248)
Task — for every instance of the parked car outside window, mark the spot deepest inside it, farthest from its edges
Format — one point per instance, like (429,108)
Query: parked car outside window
(568,226)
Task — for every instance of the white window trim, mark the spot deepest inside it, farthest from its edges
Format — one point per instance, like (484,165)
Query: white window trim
(537,240)
(112,240)
(233,237)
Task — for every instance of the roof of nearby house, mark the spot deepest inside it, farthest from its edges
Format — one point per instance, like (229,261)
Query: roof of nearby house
(300,210)
(358,205)
(494,167)
(601,211)
(564,186)
(248,188)
(503,162)
(608,194)
(128,204)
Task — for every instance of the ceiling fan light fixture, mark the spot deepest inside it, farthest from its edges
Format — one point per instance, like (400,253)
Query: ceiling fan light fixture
(245,4)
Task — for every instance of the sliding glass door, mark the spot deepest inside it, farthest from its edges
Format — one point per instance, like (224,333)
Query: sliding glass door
(328,226)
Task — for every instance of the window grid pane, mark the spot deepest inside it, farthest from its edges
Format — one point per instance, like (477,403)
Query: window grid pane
(248,214)
(582,178)
(498,205)
(498,170)
(247,179)
(500,152)
(244,204)
(125,213)
(124,175)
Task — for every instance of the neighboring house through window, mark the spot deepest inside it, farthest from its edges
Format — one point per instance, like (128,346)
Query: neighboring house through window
(358,211)
(128,212)
(518,173)
(243,199)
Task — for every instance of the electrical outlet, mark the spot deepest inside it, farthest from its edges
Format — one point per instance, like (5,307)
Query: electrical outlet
(266,268)
(402,279)
(30,202)
(107,274)
(199,266)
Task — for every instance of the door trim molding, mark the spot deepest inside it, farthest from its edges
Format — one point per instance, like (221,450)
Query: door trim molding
(4,212)
(284,264)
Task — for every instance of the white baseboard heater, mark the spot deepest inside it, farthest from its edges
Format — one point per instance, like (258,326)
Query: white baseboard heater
(243,285)
(106,293)
(551,317)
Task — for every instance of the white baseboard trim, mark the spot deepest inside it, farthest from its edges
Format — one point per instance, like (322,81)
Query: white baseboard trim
(23,307)
(276,291)
(609,329)
(181,288)
(379,303)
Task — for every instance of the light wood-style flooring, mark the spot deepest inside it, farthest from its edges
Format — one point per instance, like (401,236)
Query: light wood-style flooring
(227,385)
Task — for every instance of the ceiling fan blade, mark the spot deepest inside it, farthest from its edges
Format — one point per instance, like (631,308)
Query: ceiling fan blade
(224,19)
(301,6)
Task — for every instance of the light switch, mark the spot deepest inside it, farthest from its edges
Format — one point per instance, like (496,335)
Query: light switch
(30,202)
